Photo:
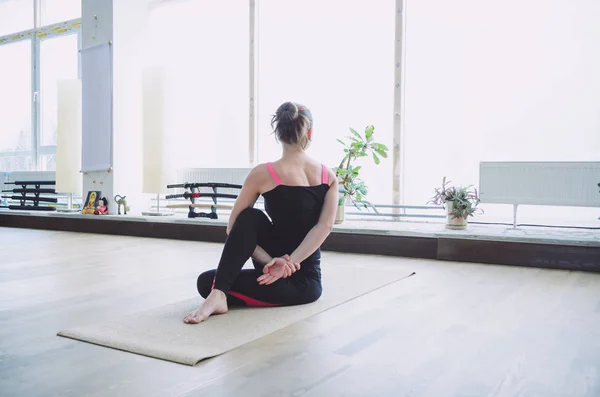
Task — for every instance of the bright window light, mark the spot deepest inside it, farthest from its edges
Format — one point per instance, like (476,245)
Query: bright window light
(337,58)
(15,96)
(488,82)
(15,16)
(203,47)
(54,11)
(58,60)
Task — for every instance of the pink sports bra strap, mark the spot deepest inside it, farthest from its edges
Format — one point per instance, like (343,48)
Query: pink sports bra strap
(274,174)
(324,175)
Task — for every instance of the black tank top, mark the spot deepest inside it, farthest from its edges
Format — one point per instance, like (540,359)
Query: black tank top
(294,210)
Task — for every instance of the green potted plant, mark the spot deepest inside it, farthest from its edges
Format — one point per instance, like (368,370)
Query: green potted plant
(460,203)
(351,187)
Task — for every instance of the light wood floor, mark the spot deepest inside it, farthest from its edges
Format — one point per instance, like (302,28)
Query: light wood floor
(453,329)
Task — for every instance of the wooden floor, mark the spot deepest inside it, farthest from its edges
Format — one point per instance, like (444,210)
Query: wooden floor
(453,329)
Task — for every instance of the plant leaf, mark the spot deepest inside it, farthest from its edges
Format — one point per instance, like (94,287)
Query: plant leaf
(353,131)
(369,133)
(375,158)
(358,146)
(382,153)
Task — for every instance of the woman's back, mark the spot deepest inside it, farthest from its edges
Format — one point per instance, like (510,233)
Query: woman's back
(295,198)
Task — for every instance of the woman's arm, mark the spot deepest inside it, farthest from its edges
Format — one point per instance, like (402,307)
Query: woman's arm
(317,235)
(246,199)
(248,194)
(261,256)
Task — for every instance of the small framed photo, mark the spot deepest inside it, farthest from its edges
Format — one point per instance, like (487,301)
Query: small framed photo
(91,202)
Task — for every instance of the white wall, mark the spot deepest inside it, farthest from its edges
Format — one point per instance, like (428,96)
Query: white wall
(130,19)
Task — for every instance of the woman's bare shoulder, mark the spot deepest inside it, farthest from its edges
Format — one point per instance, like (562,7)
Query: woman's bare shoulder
(330,173)
(257,178)
(258,172)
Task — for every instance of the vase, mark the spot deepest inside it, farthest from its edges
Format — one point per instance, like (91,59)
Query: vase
(452,222)
(339,215)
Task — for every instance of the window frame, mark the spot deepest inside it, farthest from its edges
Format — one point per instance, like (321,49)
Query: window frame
(37,35)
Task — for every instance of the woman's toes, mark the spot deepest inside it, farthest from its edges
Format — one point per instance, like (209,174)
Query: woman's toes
(196,320)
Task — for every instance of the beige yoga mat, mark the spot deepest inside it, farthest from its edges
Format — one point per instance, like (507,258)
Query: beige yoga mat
(161,333)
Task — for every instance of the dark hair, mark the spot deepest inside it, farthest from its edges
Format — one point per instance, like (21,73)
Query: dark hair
(291,123)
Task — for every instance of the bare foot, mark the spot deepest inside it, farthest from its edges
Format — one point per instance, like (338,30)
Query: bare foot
(215,303)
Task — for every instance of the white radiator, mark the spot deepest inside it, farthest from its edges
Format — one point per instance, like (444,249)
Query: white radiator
(223,175)
(540,183)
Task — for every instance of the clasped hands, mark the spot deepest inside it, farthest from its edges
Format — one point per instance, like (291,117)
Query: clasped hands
(277,268)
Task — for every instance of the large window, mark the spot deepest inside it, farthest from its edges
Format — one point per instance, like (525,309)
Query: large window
(15,97)
(486,83)
(58,60)
(482,83)
(57,11)
(16,16)
(336,57)
(343,74)
(207,80)
(32,60)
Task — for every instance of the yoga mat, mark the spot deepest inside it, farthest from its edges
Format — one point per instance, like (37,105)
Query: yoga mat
(161,333)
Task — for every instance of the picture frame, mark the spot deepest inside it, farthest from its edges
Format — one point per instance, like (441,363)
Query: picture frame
(91,202)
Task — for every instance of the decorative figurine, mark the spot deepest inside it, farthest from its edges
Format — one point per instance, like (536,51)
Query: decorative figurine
(102,208)
(121,200)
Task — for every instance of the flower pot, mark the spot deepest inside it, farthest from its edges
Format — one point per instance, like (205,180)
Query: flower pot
(339,215)
(452,222)
(341,212)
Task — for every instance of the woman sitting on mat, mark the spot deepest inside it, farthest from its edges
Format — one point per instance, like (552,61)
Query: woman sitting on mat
(301,198)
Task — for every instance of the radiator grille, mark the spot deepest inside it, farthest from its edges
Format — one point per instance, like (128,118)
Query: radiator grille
(540,183)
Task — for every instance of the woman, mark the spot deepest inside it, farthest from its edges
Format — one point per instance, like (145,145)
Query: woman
(300,196)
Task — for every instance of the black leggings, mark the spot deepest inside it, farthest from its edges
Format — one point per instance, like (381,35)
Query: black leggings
(252,228)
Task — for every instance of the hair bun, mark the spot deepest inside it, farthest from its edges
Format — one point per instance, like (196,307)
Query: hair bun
(292,122)
(288,112)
